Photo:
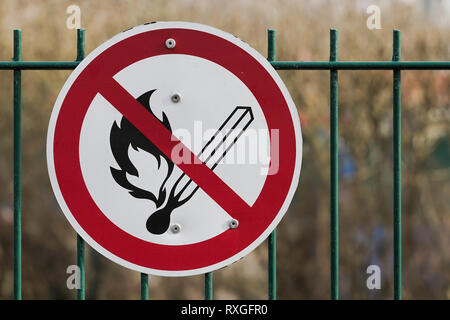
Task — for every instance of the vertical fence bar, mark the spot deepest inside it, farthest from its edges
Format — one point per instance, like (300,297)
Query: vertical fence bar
(272,274)
(17,167)
(334,171)
(209,286)
(81,292)
(272,242)
(397,105)
(144,286)
(80,44)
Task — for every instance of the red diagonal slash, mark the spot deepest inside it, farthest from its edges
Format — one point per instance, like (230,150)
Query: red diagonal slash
(165,141)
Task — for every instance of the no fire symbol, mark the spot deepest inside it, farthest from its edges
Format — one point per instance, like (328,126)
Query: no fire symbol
(174,149)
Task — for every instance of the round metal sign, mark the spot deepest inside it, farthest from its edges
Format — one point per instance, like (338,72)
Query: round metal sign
(174,149)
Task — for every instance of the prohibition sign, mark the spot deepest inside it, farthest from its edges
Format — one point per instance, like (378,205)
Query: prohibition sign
(96,76)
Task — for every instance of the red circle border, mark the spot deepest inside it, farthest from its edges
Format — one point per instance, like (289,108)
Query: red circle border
(68,169)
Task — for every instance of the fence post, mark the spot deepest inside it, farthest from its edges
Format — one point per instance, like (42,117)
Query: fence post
(334,171)
(272,242)
(17,167)
(144,286)
(80,262)
(81,292)
(397,105)
(209,286)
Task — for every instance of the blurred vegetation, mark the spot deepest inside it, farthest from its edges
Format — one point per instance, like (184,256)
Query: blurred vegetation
(365,103)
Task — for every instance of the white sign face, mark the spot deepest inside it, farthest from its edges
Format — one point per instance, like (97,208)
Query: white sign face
(194,120)
(174,149)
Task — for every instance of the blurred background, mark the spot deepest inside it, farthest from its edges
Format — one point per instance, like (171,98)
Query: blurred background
(365,118)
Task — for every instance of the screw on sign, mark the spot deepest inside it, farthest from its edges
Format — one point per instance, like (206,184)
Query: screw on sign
(174,149)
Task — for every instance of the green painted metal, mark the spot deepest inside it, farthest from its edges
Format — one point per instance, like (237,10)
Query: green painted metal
(334,171)
(38,65)
(272,242)
(397,105)
(271,46)
(361,65)
(272,266)
(209,286)
(279,65)
(81,33)
(81,292)
(17,78)
(144,286)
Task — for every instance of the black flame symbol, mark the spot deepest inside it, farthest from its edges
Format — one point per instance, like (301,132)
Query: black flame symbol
(120,139)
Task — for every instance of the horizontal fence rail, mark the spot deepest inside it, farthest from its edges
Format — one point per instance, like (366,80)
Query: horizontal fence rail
(279,65)
(362,65)
(17,65)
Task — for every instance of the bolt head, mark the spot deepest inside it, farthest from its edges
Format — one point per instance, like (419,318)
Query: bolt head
(170,43)
(175,228)
(233,224)
(175,98)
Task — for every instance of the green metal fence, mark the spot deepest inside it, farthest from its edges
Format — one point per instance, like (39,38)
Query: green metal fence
(333,65)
